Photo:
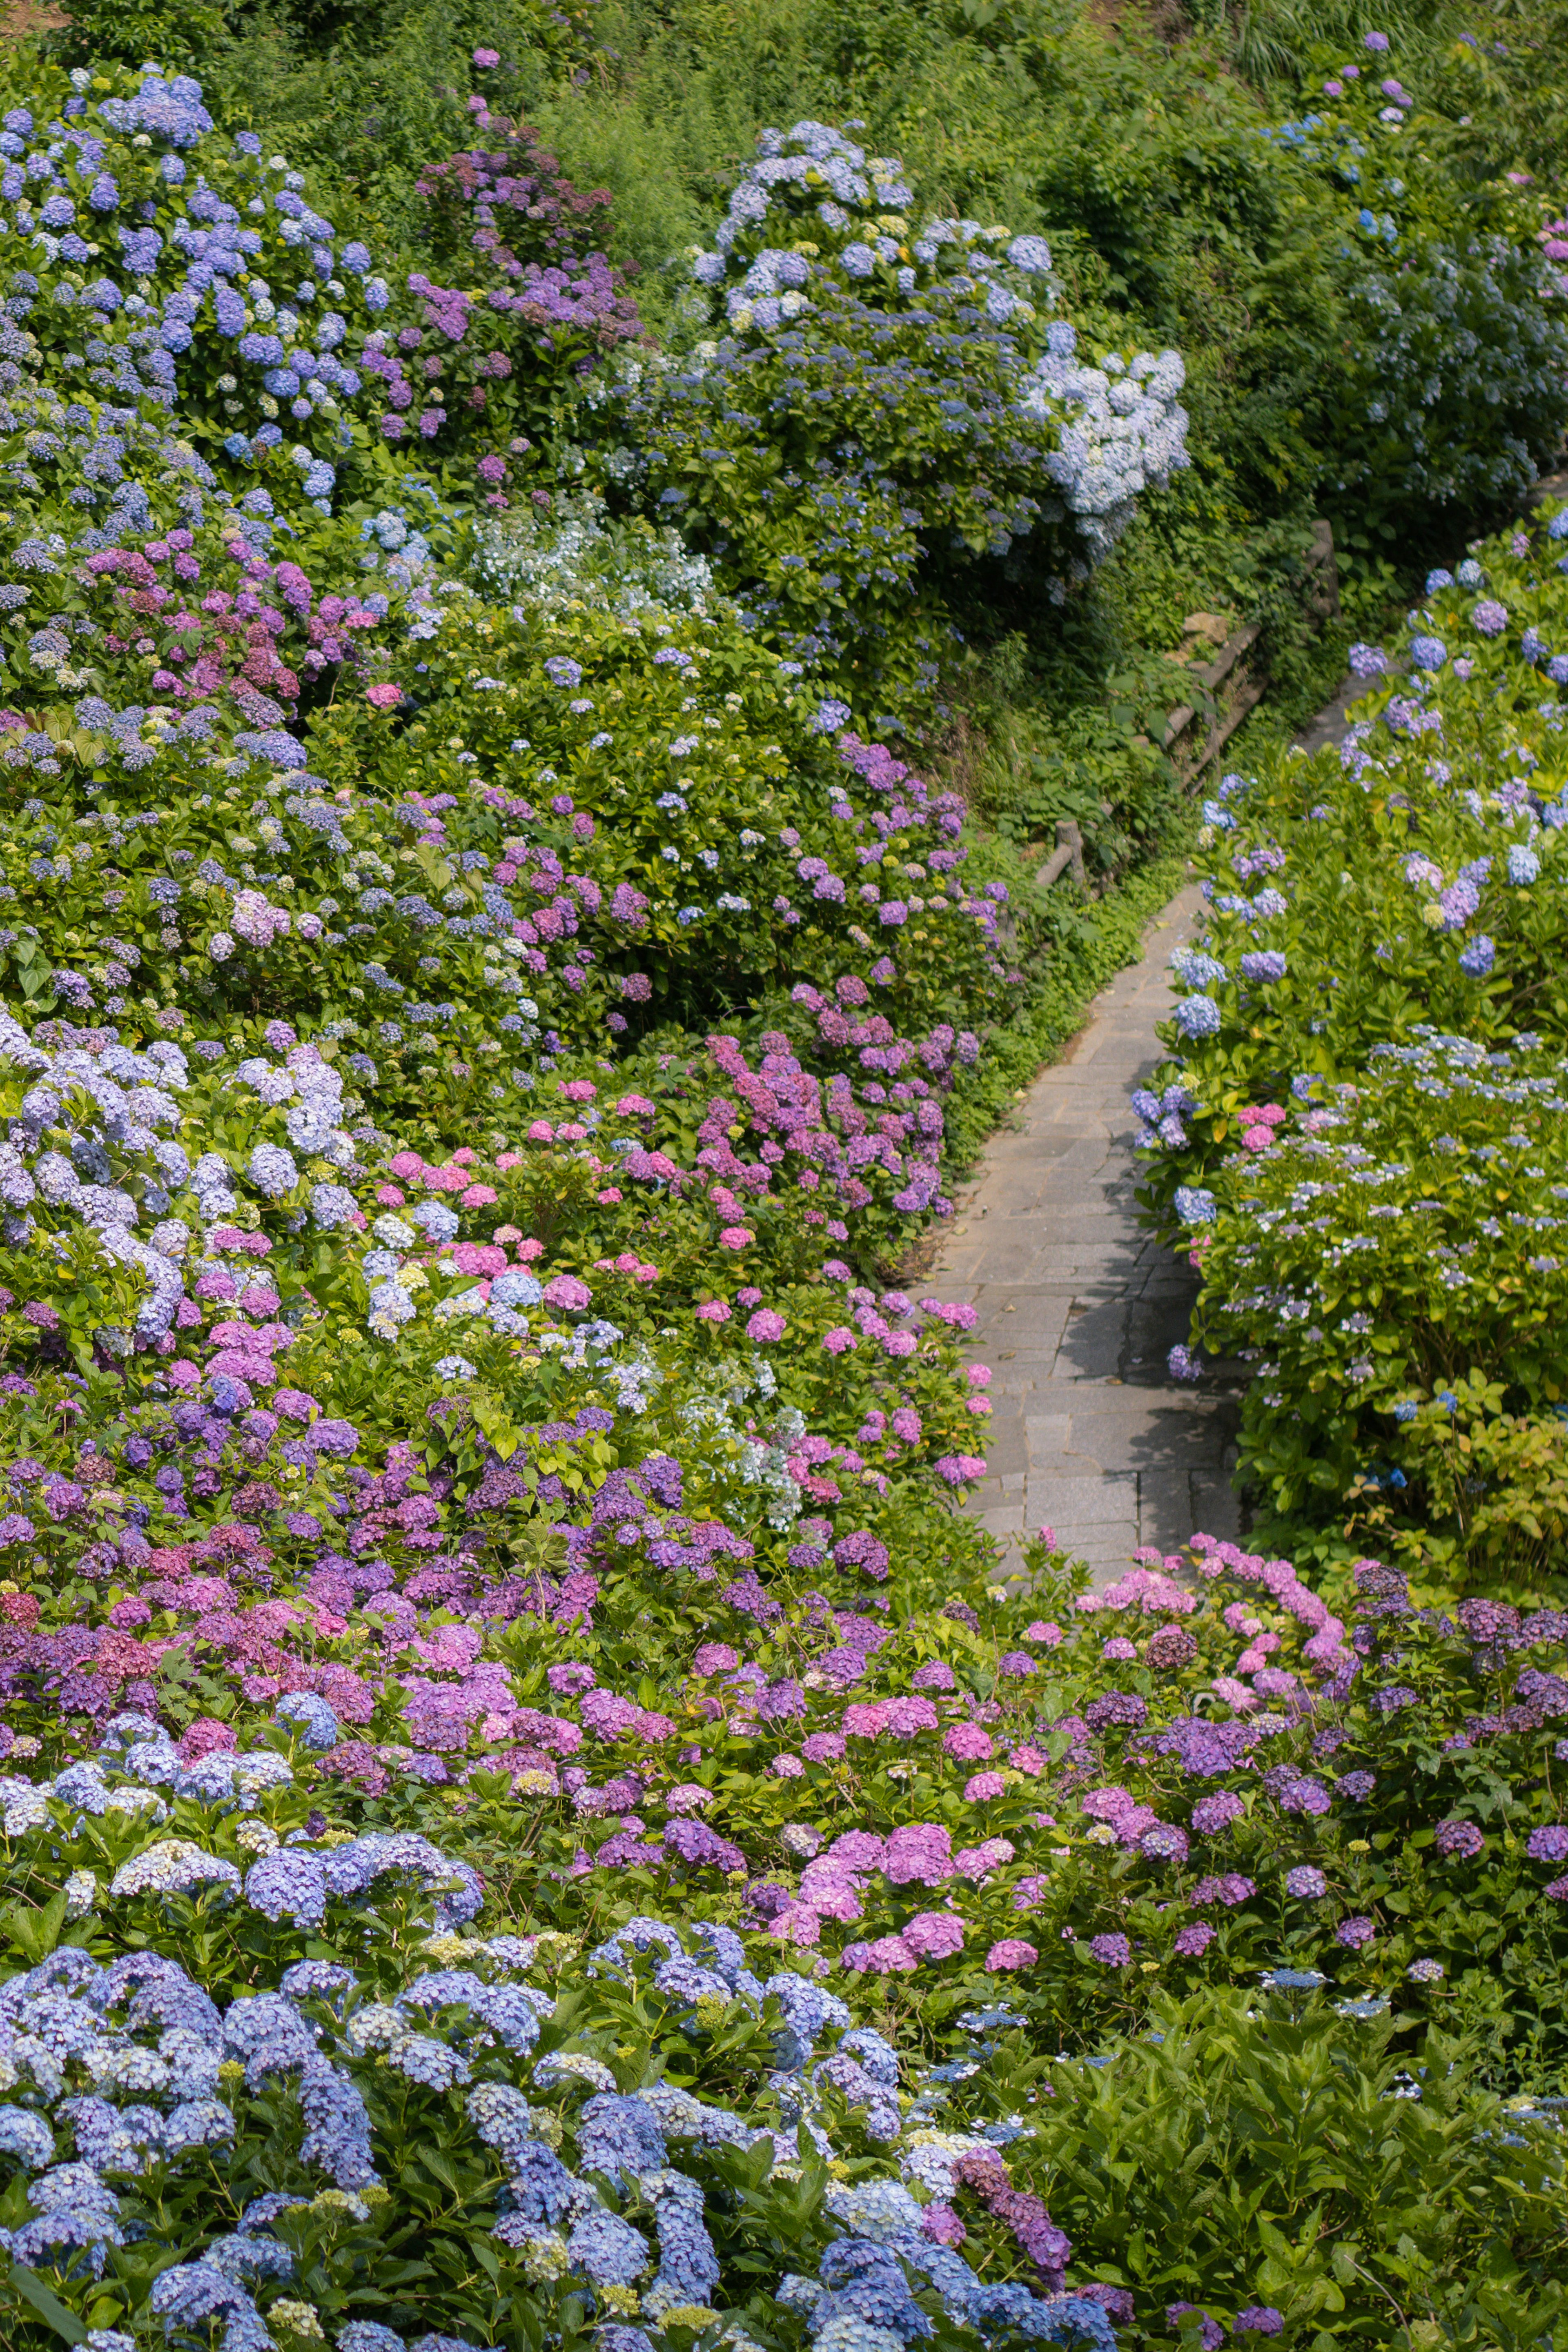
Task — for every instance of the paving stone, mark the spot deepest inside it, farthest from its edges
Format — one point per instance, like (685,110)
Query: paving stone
(1078,1308)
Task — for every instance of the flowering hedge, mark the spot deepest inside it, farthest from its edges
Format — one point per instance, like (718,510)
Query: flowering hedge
(1358,1142)
(524,1816)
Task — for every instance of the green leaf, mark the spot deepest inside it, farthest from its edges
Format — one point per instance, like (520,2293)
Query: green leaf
(47,2306)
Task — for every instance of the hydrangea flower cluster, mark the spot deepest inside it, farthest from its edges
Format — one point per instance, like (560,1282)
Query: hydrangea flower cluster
(1377,1134)
(977,431)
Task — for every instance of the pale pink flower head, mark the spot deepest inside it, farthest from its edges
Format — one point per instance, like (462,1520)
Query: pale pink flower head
(1010,1952)
(688,1797)
(934,1934)
(890,1954)
(797,1923)
(978,1862)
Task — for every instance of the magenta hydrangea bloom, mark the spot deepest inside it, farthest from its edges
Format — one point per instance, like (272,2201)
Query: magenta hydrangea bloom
(1009,1952)
(934,1934)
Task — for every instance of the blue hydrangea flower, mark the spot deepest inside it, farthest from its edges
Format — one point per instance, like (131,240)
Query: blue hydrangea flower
(1198,1017)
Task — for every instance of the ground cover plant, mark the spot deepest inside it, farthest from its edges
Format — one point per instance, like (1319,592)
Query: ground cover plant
(528,1812)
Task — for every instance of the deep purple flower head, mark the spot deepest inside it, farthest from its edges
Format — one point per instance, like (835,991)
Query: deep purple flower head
(1306,1883)
(1116,1711)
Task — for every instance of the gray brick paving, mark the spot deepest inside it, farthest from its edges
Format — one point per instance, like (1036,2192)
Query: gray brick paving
(1079,1308)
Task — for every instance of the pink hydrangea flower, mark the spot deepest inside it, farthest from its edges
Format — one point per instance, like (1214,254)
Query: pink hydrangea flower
(763,1327)
(785,1767)
(922,1852)
(942,2226)
(908,1717)
(1009,1952)
(968,1743)
(797,1923)
(934,1934)
(978,1862)
(980,1787)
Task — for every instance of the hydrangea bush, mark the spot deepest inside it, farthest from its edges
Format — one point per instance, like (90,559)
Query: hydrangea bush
(157,260)
(882,399)
(527,1815)
(1451,389)
(1356,1143)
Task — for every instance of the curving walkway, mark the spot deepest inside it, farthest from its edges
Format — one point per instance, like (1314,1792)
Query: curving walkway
(1079,1308)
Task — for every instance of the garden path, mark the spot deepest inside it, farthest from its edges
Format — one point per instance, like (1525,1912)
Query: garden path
(1079,1308)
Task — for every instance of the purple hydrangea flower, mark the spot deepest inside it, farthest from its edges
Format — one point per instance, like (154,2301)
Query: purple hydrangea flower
(1306,1883)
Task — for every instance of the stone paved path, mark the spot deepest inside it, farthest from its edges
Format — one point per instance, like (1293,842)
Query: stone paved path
(1079,1308)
